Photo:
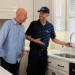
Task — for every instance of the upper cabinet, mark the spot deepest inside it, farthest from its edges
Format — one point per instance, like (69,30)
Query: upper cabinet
(8,8)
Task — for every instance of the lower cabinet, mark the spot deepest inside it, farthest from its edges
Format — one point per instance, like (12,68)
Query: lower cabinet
(57,67)
(62,73)
(53,71)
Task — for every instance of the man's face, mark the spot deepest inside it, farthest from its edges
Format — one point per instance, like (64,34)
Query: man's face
(43,16)
(23,16)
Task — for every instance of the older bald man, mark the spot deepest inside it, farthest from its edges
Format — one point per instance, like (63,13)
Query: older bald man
(12,39)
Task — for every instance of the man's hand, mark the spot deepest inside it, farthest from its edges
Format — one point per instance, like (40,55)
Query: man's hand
(35,40)
(61,42)
(22,54)
(39,42)
(67,44)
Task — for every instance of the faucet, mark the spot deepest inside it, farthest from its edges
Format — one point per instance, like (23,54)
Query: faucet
(71,39)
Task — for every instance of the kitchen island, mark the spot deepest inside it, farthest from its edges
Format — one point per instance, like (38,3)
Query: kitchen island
(4,72)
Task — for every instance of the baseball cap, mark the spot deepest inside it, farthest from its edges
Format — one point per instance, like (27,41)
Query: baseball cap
(44,10)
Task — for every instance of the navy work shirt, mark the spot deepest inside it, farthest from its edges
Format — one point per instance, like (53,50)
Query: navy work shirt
(37,30)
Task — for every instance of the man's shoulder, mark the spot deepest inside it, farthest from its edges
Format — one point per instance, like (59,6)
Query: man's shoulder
(50,24)
(6,23)
(34,21)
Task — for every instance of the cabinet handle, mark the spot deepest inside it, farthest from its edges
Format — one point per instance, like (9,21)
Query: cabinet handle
(53,73)
(60,66)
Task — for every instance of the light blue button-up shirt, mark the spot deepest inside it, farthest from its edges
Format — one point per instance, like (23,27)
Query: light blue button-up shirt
(12,39)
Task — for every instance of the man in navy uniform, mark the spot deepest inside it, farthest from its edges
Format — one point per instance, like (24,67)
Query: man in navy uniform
(39,33)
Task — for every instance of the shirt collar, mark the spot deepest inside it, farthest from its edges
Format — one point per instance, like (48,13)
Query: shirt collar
(40,22)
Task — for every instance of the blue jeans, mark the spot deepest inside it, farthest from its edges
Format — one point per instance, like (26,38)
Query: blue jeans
(12,68)
(37,62)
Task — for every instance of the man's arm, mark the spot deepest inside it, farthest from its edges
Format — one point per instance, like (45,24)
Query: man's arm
(29,33)
(35,40)
(54,39)
(60,42)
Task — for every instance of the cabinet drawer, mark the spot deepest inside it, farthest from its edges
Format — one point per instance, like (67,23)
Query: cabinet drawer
(51,62)
(64,66)
(51,71)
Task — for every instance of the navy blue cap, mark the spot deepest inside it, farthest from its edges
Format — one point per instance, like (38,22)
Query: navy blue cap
(44,10)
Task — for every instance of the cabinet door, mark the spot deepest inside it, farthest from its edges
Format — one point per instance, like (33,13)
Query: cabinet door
(62,74)
(50,72)
(51,62)
(61,65)
(8,4)
(59,72)
(8,8)
(54,72)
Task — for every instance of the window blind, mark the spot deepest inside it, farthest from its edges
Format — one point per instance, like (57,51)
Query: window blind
(71,18)
(71,24)
(59,15)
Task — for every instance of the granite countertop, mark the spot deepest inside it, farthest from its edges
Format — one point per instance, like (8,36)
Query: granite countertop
(54,51)
(51,53)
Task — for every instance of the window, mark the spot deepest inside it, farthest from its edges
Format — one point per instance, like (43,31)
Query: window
(71,16)
(59,14)
(71,19)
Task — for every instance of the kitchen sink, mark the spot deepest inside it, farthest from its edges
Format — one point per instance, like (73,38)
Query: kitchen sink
(65,55)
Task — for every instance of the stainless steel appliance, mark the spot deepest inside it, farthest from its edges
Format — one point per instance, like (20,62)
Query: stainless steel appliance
(71,68)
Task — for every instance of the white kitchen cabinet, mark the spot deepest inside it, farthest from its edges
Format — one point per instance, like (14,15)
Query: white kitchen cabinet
(23,64)
(59,72)
(4,71)
(57,67)
(8,8)
(53,71)
(61,65)
(51,62)
(62,73)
